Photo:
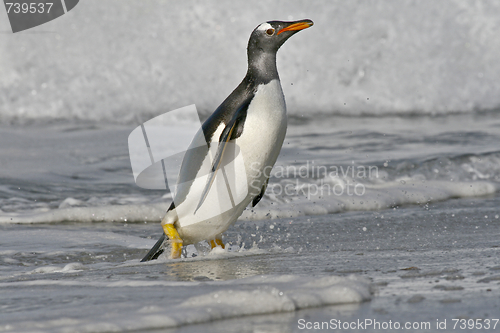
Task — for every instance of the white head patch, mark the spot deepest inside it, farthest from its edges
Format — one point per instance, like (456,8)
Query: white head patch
(264,26)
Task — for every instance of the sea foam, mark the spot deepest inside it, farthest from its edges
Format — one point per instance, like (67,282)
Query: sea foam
(258,295)
(312,202)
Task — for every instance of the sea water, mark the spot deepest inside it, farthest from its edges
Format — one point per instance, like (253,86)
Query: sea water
(382,206)
(423,234)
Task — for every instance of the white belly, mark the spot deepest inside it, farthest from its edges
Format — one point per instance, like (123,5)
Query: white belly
(259,146)
(262,138)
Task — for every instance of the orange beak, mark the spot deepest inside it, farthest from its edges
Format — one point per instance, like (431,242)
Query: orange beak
(297,26)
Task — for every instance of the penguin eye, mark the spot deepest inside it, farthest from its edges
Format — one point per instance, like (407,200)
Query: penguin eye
(270,31)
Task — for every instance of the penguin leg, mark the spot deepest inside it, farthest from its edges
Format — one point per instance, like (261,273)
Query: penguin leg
(175,240)
(155,251)
(217,242)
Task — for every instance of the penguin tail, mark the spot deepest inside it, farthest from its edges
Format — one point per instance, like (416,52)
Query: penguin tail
(156,250)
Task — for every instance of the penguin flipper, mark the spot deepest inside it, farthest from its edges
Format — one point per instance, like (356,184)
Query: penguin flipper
(228,133)
(156,250)
(261,194)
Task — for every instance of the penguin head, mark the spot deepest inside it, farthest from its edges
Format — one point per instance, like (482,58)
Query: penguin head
(269,36)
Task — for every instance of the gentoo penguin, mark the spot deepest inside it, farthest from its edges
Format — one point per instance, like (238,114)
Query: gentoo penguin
(228,163)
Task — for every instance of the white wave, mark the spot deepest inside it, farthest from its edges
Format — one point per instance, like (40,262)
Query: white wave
(69,268)
(221,300)
(308,199)
(377,57)
(315,201)
(124,213)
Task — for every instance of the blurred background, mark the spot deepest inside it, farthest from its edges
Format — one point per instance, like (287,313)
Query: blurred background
(124,61)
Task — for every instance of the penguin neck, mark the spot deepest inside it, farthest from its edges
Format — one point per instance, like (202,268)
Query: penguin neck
(262,66)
